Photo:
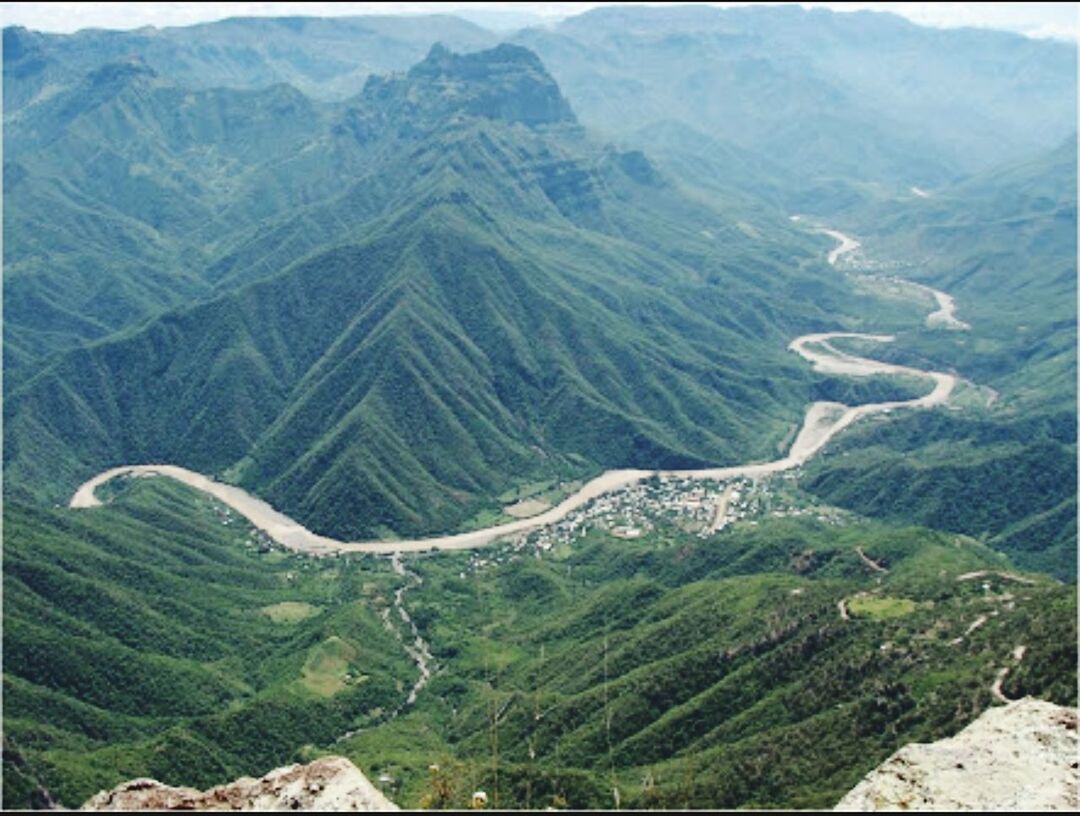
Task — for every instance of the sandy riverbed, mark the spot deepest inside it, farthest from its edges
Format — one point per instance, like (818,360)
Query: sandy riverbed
(822,422)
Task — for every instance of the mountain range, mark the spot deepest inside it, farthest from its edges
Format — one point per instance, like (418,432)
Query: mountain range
(539,303)
(409,276)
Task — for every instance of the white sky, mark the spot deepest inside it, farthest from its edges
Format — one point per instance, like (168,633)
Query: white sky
(1057,20)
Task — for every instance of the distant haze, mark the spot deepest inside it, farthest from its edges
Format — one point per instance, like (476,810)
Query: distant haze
(1048,20)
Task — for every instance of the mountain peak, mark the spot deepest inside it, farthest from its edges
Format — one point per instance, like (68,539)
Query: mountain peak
(17,42)
(507,83)
(502,57)
(438,53)
(101,86)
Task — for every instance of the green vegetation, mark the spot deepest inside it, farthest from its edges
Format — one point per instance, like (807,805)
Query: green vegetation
(398,313)
(289,611)
(491,298)
(494,298)
(139,640)
(146,638)
(1003,467)
(1010,482)
(315,55)
(880,608)
(720,670)
(862,390)
(327,668)
(801,108)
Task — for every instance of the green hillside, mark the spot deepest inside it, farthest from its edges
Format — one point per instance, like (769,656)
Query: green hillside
(324,58)
(159,636)
(807,90)
(717,673)
(395,275)
(815,92)
(137,642)
(510,301)
(123,189)
(1004,244)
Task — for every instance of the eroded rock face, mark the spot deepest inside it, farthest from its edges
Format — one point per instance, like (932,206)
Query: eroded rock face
(328,784)
(1020,756)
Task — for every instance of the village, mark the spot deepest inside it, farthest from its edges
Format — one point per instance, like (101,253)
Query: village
(702,508)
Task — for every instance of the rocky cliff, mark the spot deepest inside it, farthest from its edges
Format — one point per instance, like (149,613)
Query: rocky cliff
(1020,756)
(328,784)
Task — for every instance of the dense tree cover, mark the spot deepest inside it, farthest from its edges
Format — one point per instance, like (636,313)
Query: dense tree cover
(1003,243)
(862,390)
(136,642)
(378,314)
(836,123)
(676,670)
(715,673)
(492,297)
(1011,484)
(325,58)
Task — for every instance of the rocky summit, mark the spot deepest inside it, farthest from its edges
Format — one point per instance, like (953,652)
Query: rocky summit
(507,83)
(329,784)
(1021,756)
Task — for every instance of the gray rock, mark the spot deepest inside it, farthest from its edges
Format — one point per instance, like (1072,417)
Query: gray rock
(328,784)
(1021,756)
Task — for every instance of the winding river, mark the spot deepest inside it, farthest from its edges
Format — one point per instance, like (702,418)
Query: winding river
(823,421)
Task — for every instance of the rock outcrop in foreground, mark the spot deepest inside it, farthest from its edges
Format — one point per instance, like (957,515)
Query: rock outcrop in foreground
(1021,756)
(328,784)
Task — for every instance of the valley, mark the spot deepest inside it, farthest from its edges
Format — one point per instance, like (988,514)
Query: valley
(823,421)
(466,402)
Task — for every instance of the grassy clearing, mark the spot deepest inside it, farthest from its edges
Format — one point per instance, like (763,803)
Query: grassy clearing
(526,491)
(290,611)
(881,608)
(326,670)
(526,508)
(484,519)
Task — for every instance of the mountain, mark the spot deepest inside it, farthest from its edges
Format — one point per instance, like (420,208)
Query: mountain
(327,58)
(493,298)
(722,673)
(129,194)
(1005,236)
(119,189)
(1003,241)
(166,640)
(475,169)
(397,287)
(817,91)
(812,90)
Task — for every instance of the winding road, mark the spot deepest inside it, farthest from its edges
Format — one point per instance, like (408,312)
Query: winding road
(823,421)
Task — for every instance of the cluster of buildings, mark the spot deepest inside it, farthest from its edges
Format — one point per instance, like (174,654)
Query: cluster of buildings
(699,507)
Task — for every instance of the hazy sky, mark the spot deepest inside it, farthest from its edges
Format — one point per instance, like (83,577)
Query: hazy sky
(1059,20)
